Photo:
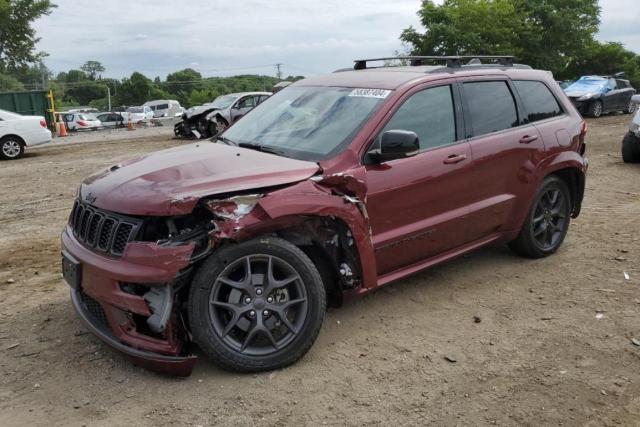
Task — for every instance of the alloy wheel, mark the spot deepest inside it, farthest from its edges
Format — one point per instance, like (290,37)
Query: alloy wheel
(258,305)
(549,219)
(11,148)
(597,109)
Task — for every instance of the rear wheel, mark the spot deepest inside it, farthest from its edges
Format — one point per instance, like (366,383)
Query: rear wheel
(547,222)
(631,108)
(256,305)
(631,148)
(11,147)
(595,109)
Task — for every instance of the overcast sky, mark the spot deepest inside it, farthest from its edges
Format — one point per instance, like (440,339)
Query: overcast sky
(225,37)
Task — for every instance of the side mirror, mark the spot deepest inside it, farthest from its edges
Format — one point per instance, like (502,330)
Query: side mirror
(635,99)
(397,144)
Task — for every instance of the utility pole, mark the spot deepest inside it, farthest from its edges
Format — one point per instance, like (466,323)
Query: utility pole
(279,71)
(109,97)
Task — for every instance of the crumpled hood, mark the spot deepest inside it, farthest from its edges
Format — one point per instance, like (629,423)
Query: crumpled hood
(170,182)
(199,110)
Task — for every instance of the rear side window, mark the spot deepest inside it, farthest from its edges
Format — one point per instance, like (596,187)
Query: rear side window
(491,107)
(537,99)
(428,113)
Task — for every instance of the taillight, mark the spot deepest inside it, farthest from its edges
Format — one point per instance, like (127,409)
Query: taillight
(82,123)
(43,123)
(583,133)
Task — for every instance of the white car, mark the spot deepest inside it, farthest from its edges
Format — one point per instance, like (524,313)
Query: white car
(80,121)
(18,132)
(138,115)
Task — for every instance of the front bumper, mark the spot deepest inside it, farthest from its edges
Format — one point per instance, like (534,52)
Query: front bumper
(118,317)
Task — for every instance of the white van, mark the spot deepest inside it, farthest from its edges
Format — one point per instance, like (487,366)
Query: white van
(165,108)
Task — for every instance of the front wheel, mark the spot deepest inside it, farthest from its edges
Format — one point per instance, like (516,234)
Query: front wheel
(256,305)
(11,148)
(547,222)
(595,109)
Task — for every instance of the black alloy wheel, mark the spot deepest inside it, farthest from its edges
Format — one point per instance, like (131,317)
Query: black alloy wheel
(256,305)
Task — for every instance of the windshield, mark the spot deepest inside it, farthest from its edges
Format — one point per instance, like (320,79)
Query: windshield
(135,110)
(588,84)
(223,102)
(308,123)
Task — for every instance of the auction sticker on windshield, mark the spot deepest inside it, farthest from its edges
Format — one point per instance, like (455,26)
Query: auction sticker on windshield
(370,93)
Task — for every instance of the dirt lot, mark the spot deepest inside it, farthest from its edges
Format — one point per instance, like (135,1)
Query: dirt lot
(553,346)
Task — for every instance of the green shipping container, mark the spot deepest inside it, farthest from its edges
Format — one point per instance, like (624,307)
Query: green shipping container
(32,103)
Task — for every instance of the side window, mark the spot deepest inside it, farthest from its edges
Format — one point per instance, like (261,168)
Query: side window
(262,98)
(491,107)
(537,100)
(68,118)
(246,103)
(430,114)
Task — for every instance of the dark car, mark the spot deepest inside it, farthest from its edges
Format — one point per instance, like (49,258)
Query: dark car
(208,120)
(597,95)
(333,187)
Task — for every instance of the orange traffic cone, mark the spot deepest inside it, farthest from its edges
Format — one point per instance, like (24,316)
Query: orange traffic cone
(129,124)
(62,130)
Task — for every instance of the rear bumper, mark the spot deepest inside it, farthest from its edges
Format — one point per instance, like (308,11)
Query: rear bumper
(39,138)
(174,365)
(120,317)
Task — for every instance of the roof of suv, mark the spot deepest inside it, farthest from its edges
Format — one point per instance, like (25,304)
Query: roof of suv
(394,77)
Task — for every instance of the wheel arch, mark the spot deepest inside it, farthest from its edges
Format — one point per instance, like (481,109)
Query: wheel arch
(16,136)
(575,180)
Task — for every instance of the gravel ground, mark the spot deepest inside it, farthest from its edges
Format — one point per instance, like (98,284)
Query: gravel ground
(545,342)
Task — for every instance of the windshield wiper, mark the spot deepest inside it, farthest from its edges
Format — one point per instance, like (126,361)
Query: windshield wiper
(226,141)
(262,147)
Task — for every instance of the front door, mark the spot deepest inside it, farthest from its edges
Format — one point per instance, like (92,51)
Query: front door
(417,205)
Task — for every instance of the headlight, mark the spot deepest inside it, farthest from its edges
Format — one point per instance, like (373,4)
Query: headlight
(585,97)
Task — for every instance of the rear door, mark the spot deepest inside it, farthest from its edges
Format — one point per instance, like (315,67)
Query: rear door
(417,206)
(505,151)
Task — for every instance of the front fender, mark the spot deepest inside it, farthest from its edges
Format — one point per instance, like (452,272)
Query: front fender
(292,205)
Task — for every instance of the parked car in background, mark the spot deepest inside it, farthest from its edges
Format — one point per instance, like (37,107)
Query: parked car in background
(165,108)
(79,121)
(18,131)
(112,120)
(335,186)
(596,95)
(211,119)
(631,141)
(87,110)
(137,115)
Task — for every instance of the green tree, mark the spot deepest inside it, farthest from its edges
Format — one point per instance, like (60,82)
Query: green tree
(545,34)
(92,69)
(17,36)
(605,59)
(135,90)
(9,84)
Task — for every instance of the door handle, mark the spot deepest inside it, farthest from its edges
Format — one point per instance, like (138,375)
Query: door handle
(527,139)
(454,158)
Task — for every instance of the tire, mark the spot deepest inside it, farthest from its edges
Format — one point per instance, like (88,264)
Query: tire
(631,108)
(631,148)
(11,147)
(595,109)
(231,311)
(216,127)
(546,220)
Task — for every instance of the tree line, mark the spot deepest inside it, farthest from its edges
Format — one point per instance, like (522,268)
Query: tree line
(85,86)
(554,35)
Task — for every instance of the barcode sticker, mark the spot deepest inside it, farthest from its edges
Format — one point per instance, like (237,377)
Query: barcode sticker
(370,93)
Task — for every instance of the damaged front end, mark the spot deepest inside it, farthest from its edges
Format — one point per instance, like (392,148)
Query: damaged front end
(132,286)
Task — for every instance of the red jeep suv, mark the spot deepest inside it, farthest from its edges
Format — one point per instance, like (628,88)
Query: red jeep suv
(333,187)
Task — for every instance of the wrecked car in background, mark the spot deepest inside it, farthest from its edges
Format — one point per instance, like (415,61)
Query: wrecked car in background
(631,141)
(597,95)
(332,188)
(208,120)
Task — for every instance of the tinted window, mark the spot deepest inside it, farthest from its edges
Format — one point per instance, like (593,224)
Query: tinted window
(430,114)
(491,107)
(537,99)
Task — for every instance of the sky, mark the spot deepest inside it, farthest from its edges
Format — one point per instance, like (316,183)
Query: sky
(221,38)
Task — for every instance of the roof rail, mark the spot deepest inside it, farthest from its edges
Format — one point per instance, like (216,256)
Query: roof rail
(450,61)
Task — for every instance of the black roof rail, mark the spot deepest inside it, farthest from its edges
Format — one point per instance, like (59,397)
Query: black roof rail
(450,61)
